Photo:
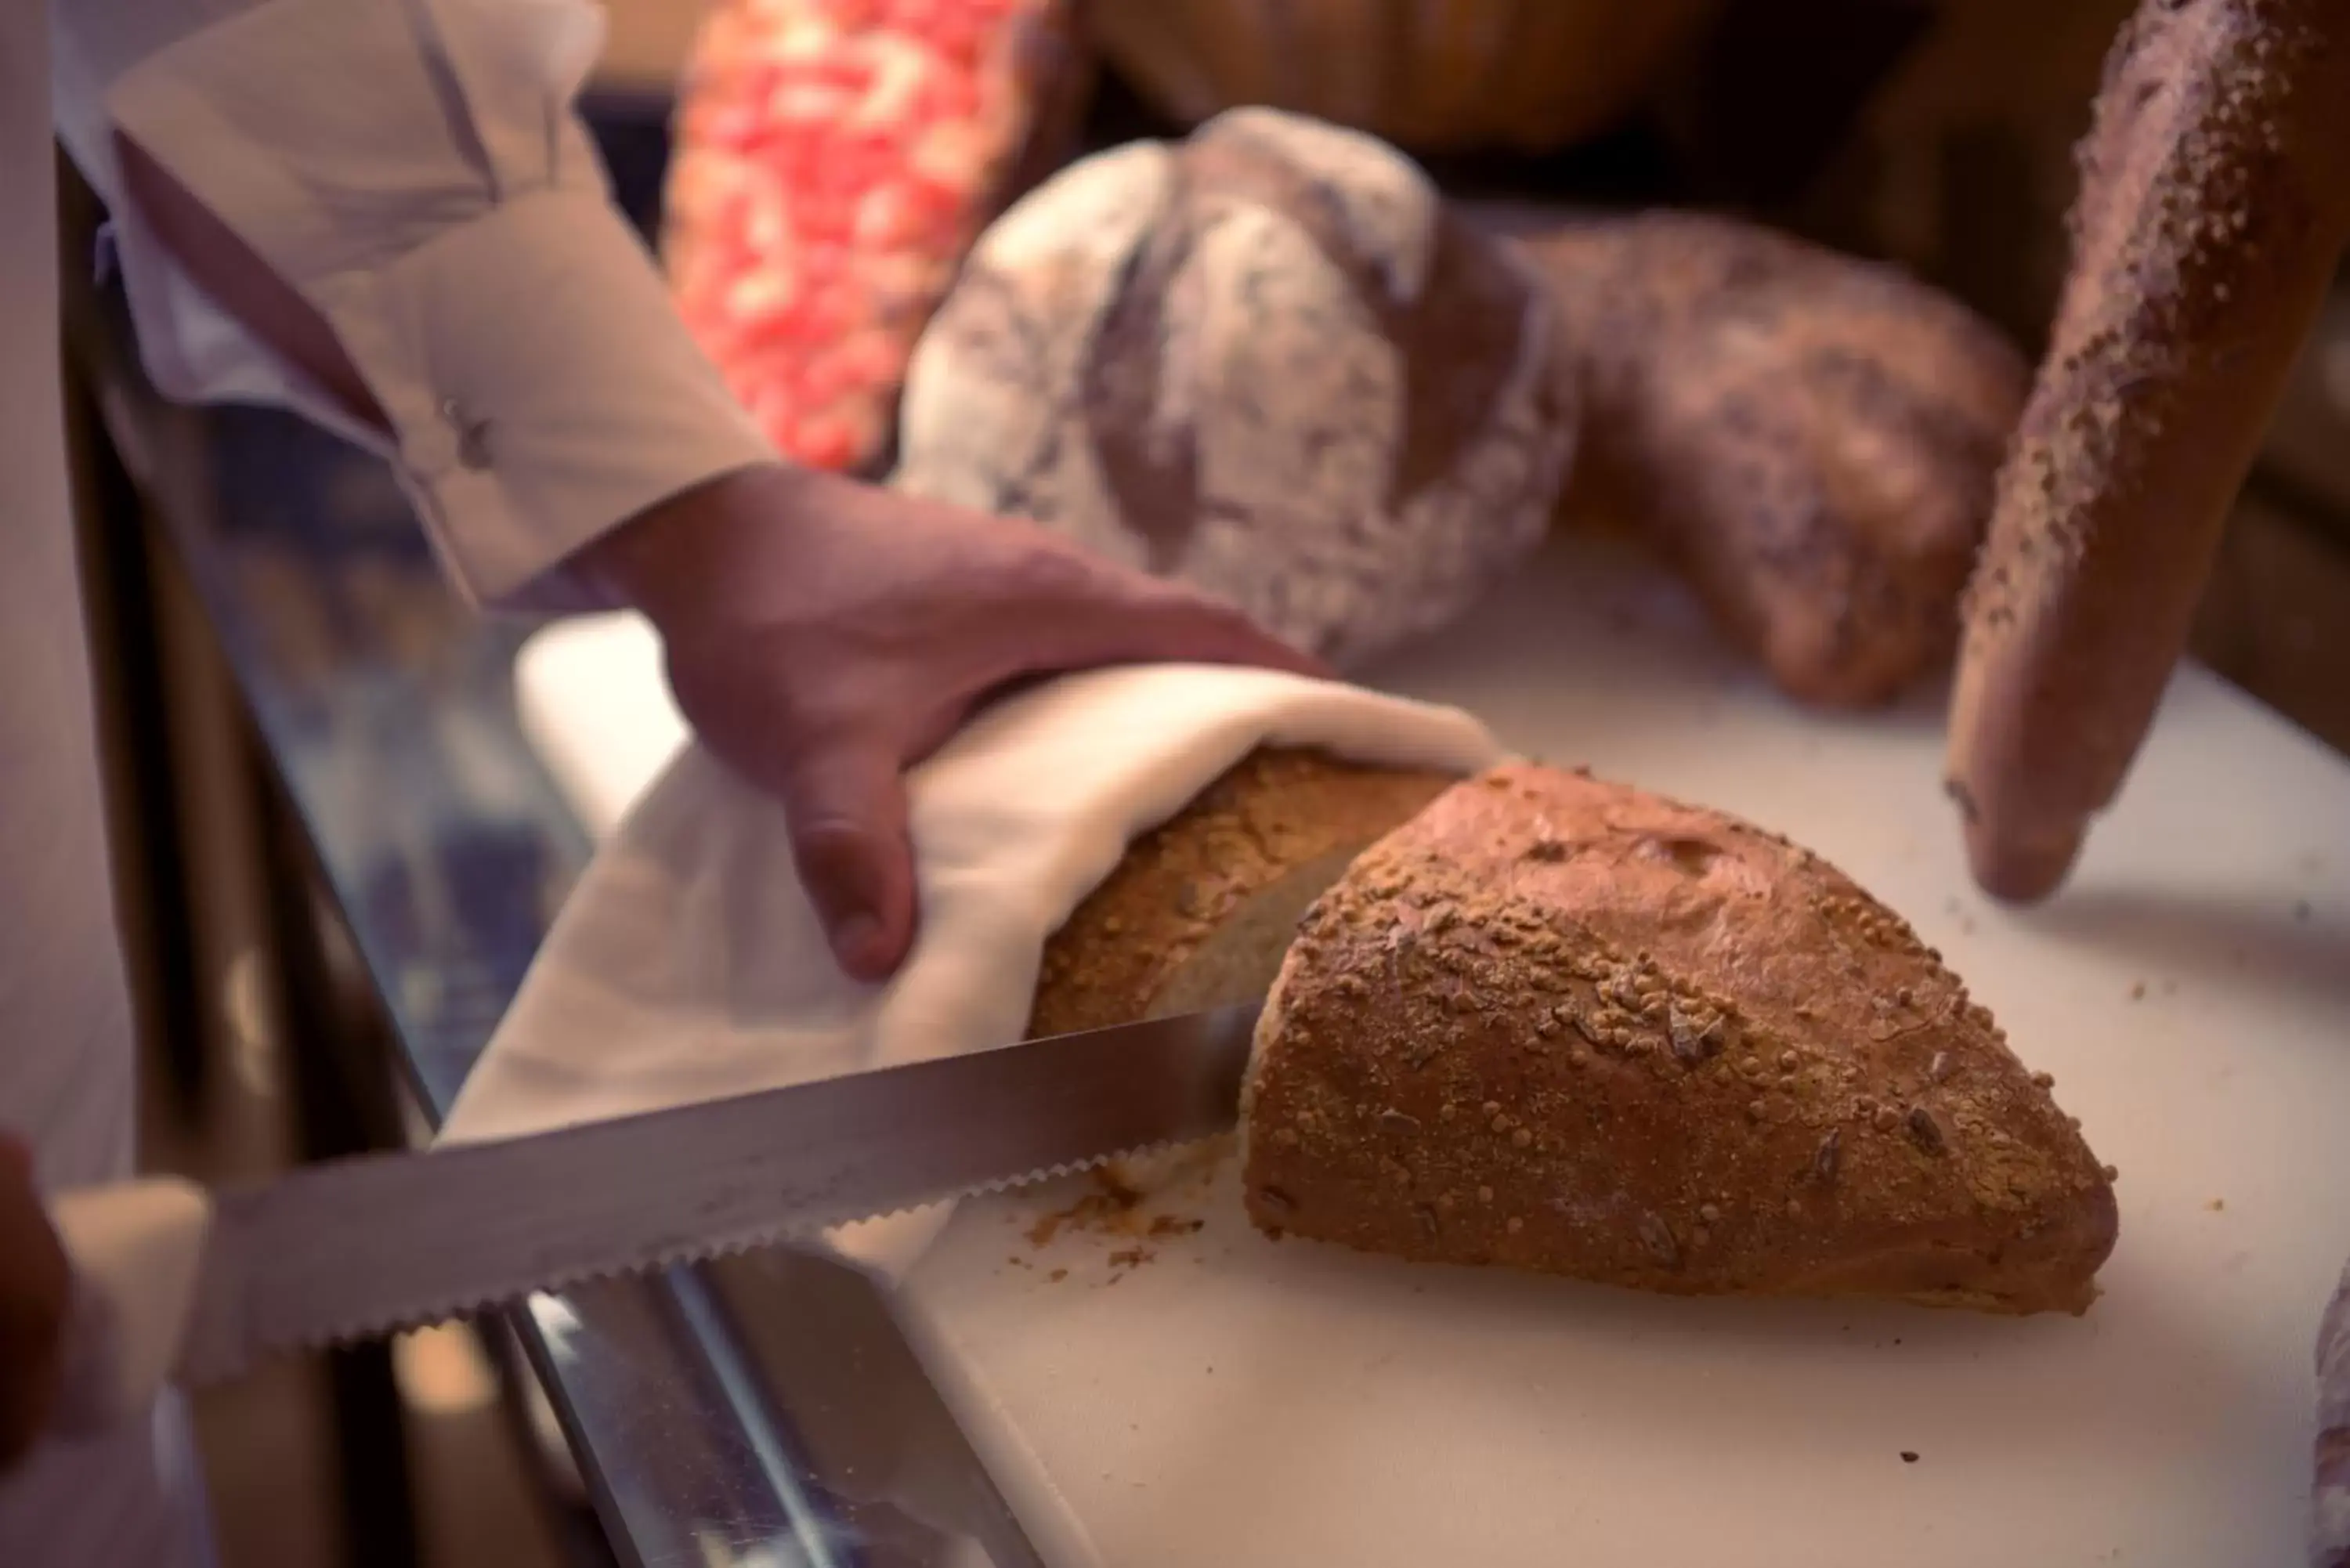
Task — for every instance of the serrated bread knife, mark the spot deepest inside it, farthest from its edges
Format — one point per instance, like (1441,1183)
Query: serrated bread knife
(178,1284)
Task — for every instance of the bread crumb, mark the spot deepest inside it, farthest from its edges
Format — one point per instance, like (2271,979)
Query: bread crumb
(1057,1275)
(1118,1205)
(1099,1209)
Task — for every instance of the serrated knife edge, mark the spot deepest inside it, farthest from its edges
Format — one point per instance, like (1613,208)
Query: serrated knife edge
(363,1247)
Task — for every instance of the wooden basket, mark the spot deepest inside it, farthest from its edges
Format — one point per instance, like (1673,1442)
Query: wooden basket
(1435,75)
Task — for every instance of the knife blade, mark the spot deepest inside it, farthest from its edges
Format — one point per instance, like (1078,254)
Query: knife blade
(364,1247)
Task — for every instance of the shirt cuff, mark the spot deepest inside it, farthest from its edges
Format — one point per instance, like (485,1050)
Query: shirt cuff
(540,387)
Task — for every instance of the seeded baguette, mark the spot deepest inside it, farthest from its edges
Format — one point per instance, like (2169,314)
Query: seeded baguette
(1566,1026)
(2329,1527)
(2213,206)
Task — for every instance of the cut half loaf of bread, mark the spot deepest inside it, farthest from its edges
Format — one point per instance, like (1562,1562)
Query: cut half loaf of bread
(1567,1027)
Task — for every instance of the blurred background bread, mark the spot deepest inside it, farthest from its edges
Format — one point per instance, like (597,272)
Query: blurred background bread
(1811,437)
(1936,135)
(1269,359)
(1433,75)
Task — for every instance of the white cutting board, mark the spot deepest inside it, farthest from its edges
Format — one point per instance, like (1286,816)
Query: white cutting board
(1251,1405)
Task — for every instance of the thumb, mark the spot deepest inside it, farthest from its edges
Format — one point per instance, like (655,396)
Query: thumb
(845,801)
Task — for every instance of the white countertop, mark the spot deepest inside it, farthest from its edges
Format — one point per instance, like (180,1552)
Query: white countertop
(1239,1402)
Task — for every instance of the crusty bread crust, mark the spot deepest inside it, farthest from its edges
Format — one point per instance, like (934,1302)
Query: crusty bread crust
(1202,909)
(1567,1027)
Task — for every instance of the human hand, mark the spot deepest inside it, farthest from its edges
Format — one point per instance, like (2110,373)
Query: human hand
(35,1284)
(823,635)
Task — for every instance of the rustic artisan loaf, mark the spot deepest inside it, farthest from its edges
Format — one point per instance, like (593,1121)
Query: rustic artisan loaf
(1811,437)
(1269,360)
(1563,1025)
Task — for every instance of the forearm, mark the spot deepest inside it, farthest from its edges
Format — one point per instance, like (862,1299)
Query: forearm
(706,555)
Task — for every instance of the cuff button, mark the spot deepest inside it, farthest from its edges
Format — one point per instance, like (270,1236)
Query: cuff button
(473,435)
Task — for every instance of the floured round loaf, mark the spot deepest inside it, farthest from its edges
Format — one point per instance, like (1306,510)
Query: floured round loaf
(1268,360)
(1566,1026)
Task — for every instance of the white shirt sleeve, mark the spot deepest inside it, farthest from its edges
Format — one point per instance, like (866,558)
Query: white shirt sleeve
(413,169)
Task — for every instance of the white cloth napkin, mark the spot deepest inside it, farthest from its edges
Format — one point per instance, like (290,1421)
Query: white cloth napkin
(689,964)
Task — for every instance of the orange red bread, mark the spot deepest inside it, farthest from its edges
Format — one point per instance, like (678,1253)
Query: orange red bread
(834,160)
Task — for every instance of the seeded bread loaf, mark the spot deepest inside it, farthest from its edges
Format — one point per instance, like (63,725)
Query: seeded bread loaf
(1566,1026)
(1456,76)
